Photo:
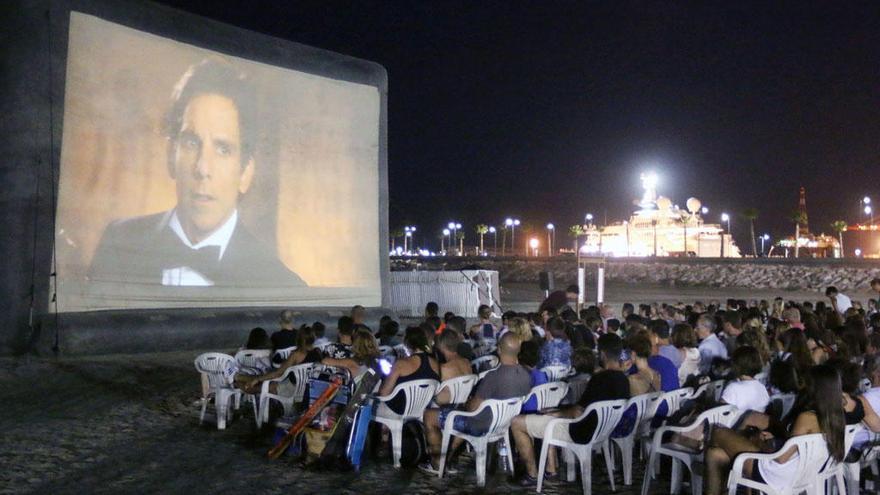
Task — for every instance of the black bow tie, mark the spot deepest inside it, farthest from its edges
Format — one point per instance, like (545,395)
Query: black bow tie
(203,260)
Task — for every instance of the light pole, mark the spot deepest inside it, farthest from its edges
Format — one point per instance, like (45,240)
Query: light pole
(512,223)
(704,210)
(765,237)
(533,243)
(724,218)
(407,238)
(551,232)
(454,226)
(588,219)
(494,232)
(443,239)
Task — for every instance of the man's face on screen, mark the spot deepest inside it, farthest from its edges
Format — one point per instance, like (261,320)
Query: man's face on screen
(207,165)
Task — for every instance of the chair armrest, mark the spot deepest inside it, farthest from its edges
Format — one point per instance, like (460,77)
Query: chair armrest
(548,430)
(284,376)
(740,460)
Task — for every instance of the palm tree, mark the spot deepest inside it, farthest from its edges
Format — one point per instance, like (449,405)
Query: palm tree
(751,214)
(482,229)
(798,217)
(394,235)
(576,231)
(839,226)
(460,238)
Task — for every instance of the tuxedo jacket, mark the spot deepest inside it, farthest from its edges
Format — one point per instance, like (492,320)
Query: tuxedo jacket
(137,250)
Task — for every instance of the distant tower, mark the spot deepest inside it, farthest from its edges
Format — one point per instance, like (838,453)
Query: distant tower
(802,208)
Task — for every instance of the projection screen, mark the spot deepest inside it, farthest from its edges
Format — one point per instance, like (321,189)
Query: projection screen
(190,178)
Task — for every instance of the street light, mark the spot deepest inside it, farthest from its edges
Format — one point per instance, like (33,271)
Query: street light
(408,233)
(726,218)
(494,232)
(442,239)
(512,223)
(765,237)
(454,226)
(533,243)
(704,210)
(858,252)
(551,232)
(588,219)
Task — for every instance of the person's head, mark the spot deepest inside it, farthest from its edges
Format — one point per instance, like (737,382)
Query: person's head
(521,328)
(825,391)
(583,360)
(850,375)
(610,347)
(746,361)
(613,324)
(389,329)
(286,319)
(875,284)
(705,326)
(305,338)
(571,292)
(791,315)
(364,348)
(344,329)
(258,339)
(873,347)
(415,340)
(448,342)
(432,309)
(434,322)
(358,313)
(794,342)
(784,376)
(660,328)
(508,348)
(211,131)
(732,323)
(319,329)
(755,338)
(484,312)
(640,344)
(872,370)
(627,310)
(556,328)
(831,291)
(683,336)
(528,353)
(448,316)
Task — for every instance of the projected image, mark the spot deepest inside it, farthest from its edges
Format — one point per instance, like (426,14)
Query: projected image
(190,178)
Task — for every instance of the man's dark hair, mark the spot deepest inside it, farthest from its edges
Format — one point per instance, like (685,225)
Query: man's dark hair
(432,309)
(734,318)
(215,75)
(568,315)
(528,353)
(875,281)
(450,340)
(434,321)
(746,361)
(613,324)
(610,346)
(660,328)
(345,325)
(583,360)
(318,328)
(573,289)
(556,327)
(831,290)
(457,323)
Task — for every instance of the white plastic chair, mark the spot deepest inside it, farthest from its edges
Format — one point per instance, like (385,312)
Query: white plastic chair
(722,415)
(503,412)
(300,379)
(459,388)
(786,402)
(645,409)
(219,369)
(281,355)
(673,400)
(483,374)
(417,395)
(484,363)
(762,377)
(716,387)
(253,362)
(836,470)
(556,373)
(812,452)
(548,395)
(869,458)
(576,388)
(608,414)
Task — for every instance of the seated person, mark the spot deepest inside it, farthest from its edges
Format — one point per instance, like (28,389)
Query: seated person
(528,358)
(459,324)
(453,365)
(685,341)
(319,329)
(286,336)
(557,350)
(609,384)
(817,414)
(419,365)
(744,392)
(388,333)
(642,378)
(342,348)
(485,329)
(583,360)
(305,353)
(870,401)
(507,381)
(258,339)
(364,355)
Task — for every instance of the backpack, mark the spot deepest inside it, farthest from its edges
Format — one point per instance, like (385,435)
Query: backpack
(414,448)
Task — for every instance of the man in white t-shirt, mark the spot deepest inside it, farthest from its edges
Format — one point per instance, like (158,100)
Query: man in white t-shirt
(840,302)
(871,402)
(746,393)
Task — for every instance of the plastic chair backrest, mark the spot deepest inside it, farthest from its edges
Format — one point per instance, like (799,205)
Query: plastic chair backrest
(459,387)
(300,374)
(786,402)
(644,404)
(417,394)
(673,399)
(503,412)
(484,363)
(577,387)
(548,395)
(483,374)
(218,367)
(253,360)
(556,373)
(812,454)
(721,415)
(281,355)
(762,377)
(608,413)
(864,385)
(714,387)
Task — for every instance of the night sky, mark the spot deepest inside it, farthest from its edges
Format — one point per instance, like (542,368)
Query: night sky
(550,110)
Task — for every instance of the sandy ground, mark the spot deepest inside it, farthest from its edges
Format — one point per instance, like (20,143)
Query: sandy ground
(129,424)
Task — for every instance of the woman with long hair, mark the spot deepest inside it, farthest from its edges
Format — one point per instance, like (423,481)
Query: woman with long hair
(816,412)
(420,365)
(364,353)
(792,345)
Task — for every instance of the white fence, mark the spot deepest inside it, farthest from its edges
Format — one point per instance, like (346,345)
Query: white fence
(461,292)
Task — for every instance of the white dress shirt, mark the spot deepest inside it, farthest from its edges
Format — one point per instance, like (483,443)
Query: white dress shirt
(184,276)
(710,348)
